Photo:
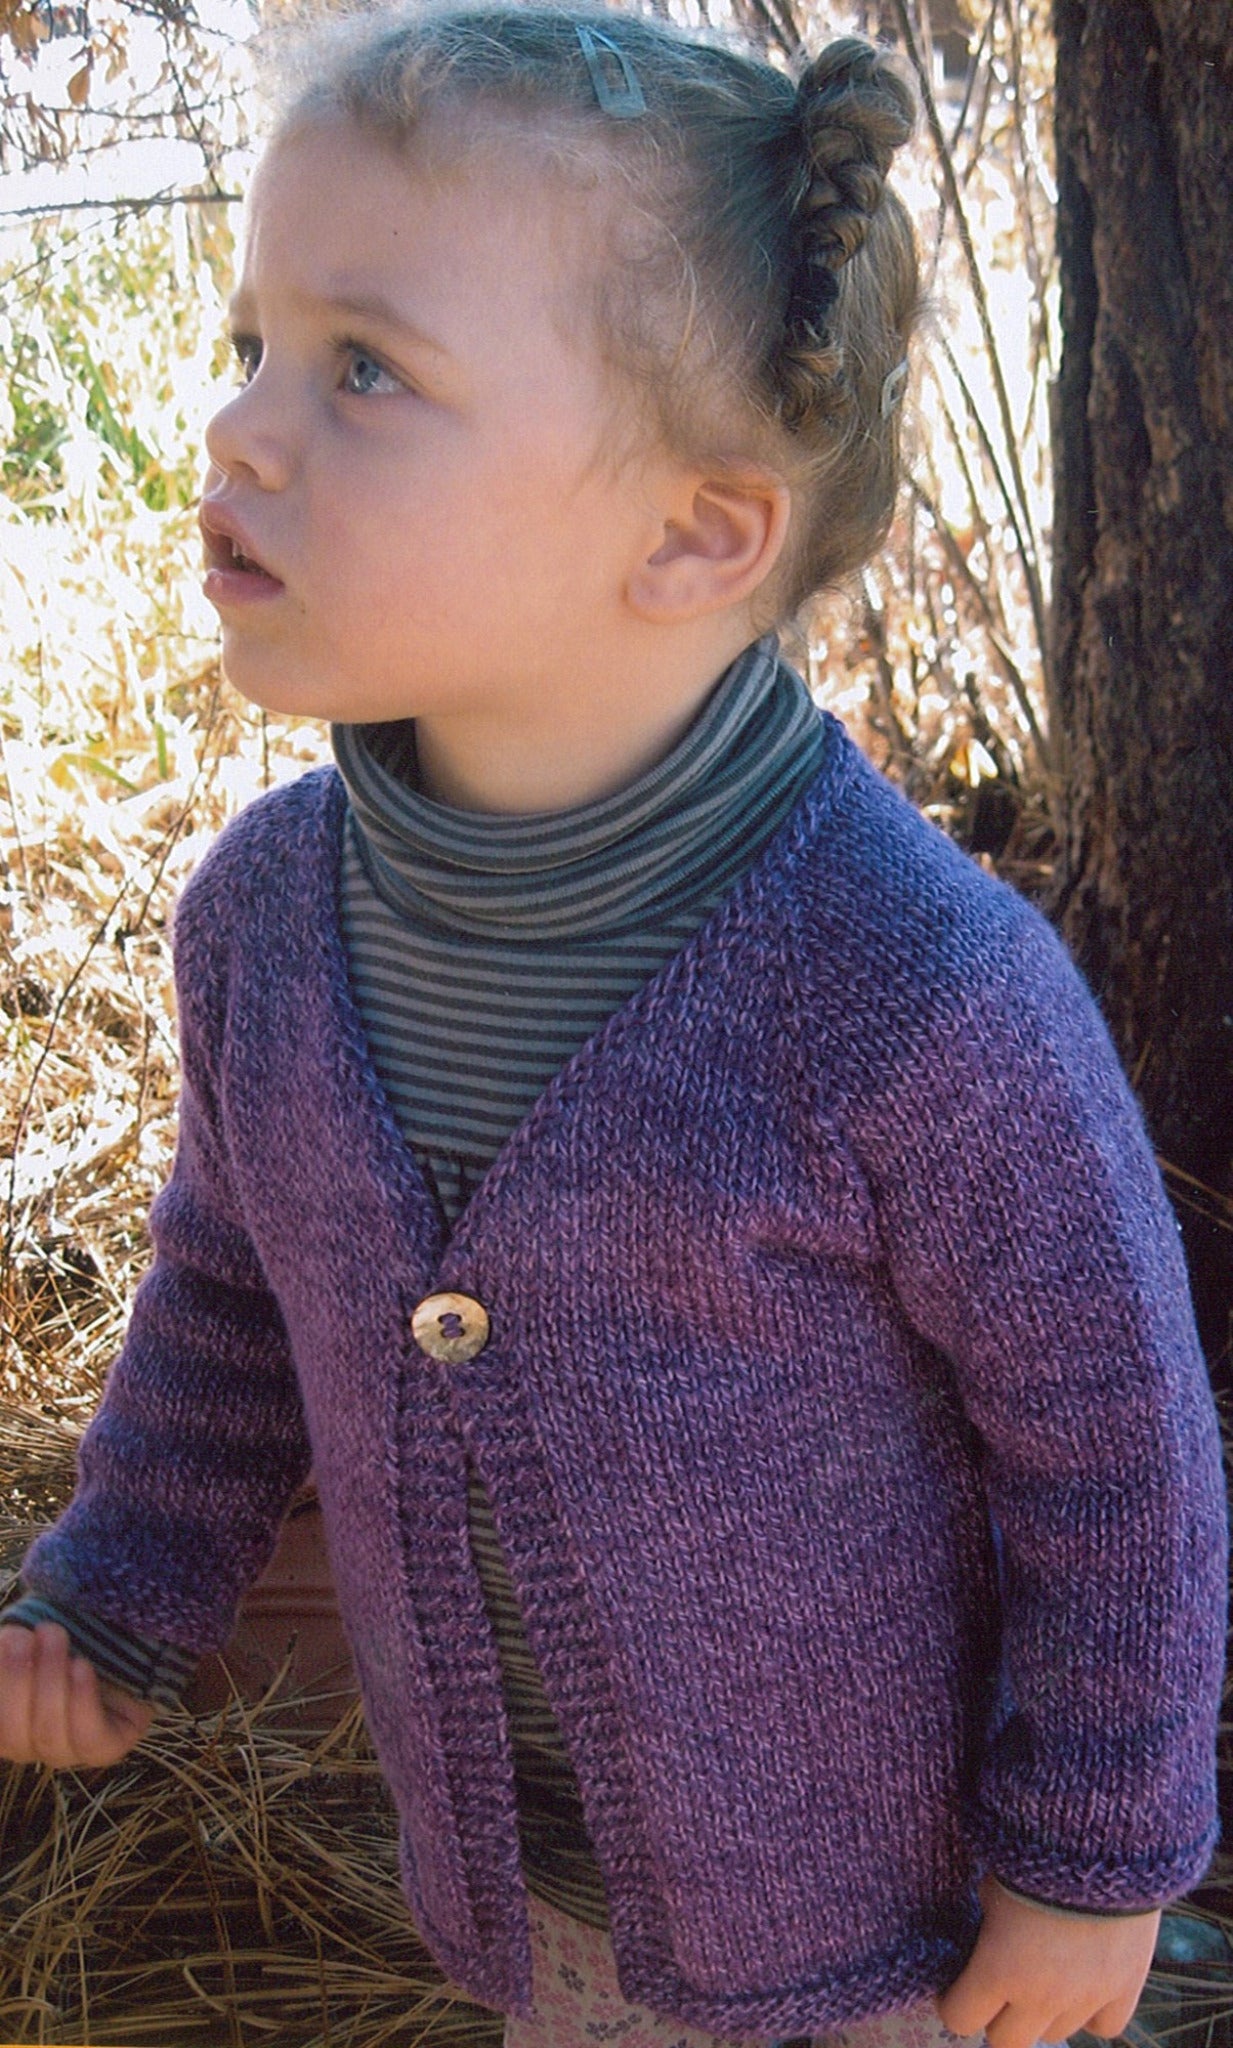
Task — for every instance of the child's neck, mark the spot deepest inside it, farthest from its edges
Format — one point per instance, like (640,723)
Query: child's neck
(575,742)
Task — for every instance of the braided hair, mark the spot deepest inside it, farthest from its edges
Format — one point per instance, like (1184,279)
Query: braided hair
(759,286)
(854,112)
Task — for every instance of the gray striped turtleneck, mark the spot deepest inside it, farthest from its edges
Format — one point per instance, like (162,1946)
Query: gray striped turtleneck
(484,951)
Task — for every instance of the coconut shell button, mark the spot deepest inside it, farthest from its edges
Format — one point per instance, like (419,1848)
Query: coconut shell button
(450,1327)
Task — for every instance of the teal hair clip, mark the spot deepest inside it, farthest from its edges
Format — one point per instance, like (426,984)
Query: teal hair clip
(622,101)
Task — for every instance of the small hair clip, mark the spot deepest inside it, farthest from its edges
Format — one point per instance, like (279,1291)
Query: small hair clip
(893,388)
(623,102)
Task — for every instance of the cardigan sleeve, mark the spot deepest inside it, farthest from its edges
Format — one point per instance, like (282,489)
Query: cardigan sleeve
(1030,1241)
(199,1441)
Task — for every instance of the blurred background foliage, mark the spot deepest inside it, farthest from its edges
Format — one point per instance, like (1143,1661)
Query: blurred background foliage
(127,130)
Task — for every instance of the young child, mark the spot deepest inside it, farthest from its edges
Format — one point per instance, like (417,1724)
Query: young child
(689,1218)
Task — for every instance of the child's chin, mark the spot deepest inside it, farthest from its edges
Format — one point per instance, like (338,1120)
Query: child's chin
(285,697)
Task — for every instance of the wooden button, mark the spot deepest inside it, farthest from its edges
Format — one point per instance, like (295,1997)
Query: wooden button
(450,1327)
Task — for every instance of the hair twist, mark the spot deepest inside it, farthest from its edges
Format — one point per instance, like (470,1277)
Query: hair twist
(854,110)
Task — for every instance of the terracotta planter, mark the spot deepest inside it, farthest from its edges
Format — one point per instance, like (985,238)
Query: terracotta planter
(292,1608)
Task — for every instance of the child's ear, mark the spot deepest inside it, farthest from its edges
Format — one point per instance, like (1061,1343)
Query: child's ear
(718,548)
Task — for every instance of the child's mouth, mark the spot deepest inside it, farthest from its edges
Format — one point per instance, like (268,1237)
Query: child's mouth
(250,568)
(232,576)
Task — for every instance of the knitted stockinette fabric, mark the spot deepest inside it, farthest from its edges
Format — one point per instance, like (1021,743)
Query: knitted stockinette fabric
(837,1253)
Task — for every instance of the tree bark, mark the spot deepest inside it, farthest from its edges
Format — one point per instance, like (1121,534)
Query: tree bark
(1141,662)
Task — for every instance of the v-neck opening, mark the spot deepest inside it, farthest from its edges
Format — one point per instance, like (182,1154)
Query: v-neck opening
(829,780)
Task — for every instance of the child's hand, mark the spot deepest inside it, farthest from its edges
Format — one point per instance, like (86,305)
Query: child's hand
(1033,1976)
(55,1709)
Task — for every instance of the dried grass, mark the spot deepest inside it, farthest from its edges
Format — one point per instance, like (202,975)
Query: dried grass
(233,1882)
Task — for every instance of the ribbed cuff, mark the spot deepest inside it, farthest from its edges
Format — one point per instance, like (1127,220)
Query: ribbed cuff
(151,1670)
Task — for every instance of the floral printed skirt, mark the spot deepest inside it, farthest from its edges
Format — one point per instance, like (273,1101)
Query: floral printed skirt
(578,2003)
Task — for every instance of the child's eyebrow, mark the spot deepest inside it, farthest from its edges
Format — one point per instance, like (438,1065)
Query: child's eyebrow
(344,298)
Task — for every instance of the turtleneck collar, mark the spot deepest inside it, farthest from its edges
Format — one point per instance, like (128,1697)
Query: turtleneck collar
(598,867)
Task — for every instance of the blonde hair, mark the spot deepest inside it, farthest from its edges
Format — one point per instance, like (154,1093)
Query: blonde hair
(766,302)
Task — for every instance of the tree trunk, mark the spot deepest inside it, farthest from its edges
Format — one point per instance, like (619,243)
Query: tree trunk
(1142,633)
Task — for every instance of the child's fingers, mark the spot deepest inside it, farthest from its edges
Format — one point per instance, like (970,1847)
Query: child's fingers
(126,1717)
(17,1663)
(49,1714)
(1112,2019)
(104,1722)
(971,2003)
(53,1710)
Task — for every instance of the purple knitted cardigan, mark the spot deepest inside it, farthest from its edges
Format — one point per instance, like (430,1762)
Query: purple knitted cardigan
(842,1414)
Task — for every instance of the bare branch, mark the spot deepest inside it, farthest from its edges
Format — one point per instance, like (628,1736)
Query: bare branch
(49,211)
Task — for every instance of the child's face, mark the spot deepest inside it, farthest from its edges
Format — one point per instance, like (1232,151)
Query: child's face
(424,485)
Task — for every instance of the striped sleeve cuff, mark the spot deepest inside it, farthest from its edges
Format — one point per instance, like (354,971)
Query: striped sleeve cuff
(151,1670)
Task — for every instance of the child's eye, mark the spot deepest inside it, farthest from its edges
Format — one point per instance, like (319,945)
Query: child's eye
(364,372)
(247,350)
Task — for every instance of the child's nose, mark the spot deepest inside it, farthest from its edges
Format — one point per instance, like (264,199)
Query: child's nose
(247,436)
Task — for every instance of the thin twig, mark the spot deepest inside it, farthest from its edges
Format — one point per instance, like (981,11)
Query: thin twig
(974,64)
(1022,543)
(48,211)
(1030,549)
(17,838)
(1006,662)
